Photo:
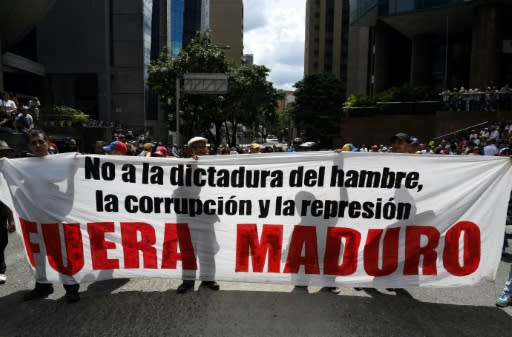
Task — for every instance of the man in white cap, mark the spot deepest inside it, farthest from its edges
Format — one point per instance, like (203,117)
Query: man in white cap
(198,146)
(202,231)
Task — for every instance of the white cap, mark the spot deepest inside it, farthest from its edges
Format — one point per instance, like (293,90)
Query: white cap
(197,139)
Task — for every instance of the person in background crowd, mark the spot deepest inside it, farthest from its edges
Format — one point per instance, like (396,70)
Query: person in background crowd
(98,147)
(52,147)
(146,150)
(491,149)
(6,221)
(121,137)
(115,148)
(505,296)
(10,104)
(38,146)
(131,147)
(72,145)
(414,145)
(474,151)
(2,100)
(5,121)
(174,151)
(255,148)
(160,151)
(400,143)
(24,120)
(206,244)
(34,105)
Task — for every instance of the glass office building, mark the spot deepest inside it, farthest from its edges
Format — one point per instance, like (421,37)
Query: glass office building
(440,43)
(176,15)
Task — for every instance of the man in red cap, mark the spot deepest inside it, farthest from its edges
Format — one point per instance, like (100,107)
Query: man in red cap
(160,151)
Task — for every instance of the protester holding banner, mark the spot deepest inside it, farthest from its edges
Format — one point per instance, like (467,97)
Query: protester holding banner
(202,234)
(6,221)
(504,298)
(38,146)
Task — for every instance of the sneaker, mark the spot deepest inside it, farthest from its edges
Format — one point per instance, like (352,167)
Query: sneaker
(503,300)
(3,278)
(72,296)
(185,287)
(210,285)
(41,290)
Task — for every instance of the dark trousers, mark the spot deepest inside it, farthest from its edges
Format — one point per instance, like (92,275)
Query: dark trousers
(3,243)
(70,288)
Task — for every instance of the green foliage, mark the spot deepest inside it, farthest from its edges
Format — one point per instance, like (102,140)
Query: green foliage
(250,99)
(317,108)
(359,101)
(404,93)
(66,112)
(407,93)
(80,118)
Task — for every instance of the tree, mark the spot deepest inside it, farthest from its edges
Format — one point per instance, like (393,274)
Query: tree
(200,111)
(317,110)
(251,99)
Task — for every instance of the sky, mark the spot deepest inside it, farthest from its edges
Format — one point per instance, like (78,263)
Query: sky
(274,32)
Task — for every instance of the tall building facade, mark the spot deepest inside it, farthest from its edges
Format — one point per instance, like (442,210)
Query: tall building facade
(442,43)
(224,19)
(176,9)
(184,22)
(99,63)
(326,43)
(18,19)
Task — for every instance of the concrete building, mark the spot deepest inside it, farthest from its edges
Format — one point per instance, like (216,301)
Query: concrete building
(18,20)
(225,21)
(442,43)
(248,59)
(94,55)
(326,44)
(99,62)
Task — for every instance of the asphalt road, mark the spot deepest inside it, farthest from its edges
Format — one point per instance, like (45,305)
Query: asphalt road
(151,307)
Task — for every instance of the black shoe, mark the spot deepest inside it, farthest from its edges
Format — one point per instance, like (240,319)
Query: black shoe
(185,286)
(72,296)
(332,290)
(210,285)
(41,290)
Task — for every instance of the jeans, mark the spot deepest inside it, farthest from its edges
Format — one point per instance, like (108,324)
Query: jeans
(507,289)
(3,243)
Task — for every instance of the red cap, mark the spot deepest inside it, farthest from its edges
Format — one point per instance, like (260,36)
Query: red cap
(161,151)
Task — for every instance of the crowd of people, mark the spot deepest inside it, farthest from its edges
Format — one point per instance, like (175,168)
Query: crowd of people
(488,99)
(17,116)
(495,139)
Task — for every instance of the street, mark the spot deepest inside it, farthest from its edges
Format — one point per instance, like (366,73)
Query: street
(151,307)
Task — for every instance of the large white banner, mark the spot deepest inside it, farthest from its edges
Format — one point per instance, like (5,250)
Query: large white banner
(317,218)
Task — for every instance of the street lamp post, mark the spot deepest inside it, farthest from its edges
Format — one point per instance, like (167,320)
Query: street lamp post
(178,136)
